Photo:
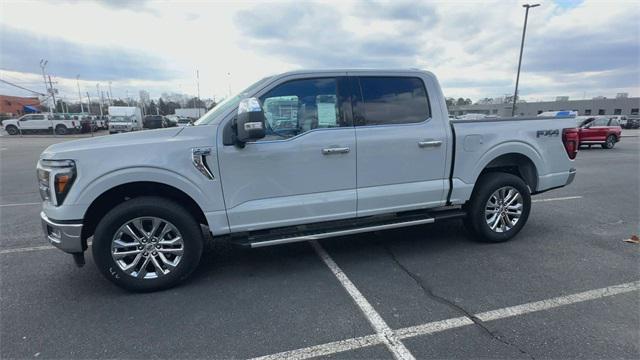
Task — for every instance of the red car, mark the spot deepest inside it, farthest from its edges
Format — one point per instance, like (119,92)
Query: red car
(599,130)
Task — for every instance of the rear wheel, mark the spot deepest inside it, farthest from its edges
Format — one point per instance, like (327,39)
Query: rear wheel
(12,130)
(498,208)
(147,244)
(610,142)
(61,130)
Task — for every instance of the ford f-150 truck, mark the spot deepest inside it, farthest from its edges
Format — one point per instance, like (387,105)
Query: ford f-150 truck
(298,156)
(32,123)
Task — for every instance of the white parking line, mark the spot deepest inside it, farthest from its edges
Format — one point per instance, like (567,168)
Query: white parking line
(439,326)
(384,332)
(557,199)
(558,301)
(25,249)
(21,204)
(31,248)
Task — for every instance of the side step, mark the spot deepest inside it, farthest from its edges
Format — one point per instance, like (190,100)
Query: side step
(356,227)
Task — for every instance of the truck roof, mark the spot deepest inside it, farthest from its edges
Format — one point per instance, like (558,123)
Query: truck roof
(354,70)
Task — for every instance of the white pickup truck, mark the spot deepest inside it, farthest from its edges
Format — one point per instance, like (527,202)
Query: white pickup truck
(32,123)
(298,156)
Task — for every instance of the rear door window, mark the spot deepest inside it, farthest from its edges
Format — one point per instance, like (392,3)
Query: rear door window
(391,100)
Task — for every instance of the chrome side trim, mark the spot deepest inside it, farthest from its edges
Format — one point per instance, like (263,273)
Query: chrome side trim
(199,161)
(342,232)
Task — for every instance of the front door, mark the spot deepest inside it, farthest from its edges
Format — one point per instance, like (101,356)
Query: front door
(304,170)
(401,147)
(34,122)
(596,131)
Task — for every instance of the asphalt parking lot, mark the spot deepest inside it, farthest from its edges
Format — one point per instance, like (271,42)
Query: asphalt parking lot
(567,286)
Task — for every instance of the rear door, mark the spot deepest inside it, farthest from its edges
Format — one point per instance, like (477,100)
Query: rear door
(304,170)
(401,147)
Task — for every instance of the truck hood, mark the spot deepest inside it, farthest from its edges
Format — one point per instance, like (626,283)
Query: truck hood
(70,149)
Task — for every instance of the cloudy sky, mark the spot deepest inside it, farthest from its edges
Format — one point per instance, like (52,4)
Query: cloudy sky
(575,48)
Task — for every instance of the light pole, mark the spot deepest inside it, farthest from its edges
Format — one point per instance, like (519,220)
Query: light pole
(79,93)
(43,64)
(524,31)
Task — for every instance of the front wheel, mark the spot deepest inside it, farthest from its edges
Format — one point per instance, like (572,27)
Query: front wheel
(12,130)
(499,207)
(610,142)
(147,244)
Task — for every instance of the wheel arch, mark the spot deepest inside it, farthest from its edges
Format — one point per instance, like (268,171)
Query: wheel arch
(517,164)
(124,192)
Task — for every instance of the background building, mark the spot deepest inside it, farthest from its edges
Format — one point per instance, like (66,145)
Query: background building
(621,105)
(15,105)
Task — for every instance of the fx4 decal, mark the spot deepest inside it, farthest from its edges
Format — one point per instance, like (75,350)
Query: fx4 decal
(540,133)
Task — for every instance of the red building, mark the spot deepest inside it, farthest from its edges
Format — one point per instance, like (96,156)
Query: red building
(15,105)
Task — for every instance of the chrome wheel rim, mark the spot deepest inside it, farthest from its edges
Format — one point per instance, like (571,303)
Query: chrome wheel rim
(503,209)
(610,142)
(147,247)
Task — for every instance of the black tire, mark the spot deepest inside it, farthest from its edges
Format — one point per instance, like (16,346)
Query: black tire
(12,130)
(476,221)
(140,207)
(61,130)
(610,142)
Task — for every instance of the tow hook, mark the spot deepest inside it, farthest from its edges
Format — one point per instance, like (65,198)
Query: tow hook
(78,258)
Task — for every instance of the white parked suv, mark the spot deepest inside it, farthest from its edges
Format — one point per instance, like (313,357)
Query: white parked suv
(32,123)
(298,156)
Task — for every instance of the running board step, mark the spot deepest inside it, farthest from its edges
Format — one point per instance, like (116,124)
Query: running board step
(394,223)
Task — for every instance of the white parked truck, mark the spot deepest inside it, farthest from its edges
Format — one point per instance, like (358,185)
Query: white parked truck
(193,113)
(33,123)
(132,112)
(298,156)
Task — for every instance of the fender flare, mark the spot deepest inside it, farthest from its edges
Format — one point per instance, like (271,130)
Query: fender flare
(511,147)
(123,176)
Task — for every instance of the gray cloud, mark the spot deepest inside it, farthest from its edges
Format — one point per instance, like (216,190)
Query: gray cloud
(400,10)
(312,35)
(133,5)
(583,53)
(21,51)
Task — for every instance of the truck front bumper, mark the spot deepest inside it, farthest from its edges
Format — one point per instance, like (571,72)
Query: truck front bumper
(64,236)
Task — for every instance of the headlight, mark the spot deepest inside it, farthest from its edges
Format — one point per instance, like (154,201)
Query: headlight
(55,178)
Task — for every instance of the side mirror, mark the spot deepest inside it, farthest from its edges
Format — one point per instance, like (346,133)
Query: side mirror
(250,122)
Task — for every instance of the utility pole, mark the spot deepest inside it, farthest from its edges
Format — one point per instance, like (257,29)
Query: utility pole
(110,94)
(524,31)
(89,104)
(99,98)
(79,94)
(53,94)
(198,82)
(102,99)
(43,64)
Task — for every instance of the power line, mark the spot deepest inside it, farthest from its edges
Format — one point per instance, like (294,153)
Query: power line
(21,87)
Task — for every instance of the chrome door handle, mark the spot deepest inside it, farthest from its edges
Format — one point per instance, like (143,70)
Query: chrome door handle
(429,143)
(335,150)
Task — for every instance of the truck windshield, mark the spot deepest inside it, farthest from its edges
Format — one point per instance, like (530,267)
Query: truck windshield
(229,103)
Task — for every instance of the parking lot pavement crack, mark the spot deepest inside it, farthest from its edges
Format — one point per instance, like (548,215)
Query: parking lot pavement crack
(426,289)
